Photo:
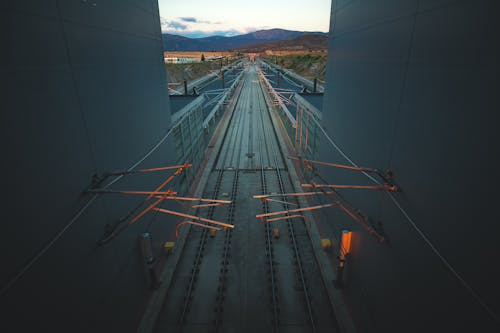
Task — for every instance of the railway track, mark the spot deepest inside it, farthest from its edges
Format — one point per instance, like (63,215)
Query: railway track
(247,279)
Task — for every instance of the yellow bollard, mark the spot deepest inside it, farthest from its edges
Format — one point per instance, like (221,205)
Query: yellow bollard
(167,247)
(326,243)
(212,233)
(276,233)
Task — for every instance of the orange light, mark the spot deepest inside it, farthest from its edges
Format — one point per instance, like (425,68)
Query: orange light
(345,244)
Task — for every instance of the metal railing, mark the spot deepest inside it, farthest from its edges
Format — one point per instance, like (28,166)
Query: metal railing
(304,82)
(177,88)
(194,125)
(212,117)
(300,119)
(307,133)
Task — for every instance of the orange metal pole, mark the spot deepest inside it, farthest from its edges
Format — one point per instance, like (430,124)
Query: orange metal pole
(207,205)
(283,202)
(341,166)
(162,185)
(148,192)
(186,165)
(168,195)
(222,202)
(362,187)
(179,225)
(294,210)
(169,179)
(214,200)
(370,230)
(348,212)
(355,218)
(283,218)
(106,191)
(141,214)
(197,218)
(302,194)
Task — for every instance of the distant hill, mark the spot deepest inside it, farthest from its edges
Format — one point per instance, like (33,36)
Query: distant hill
(220,43)
(306,42)
(179,43)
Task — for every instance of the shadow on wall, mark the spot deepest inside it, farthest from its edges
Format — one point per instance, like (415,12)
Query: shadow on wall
(83,93)
(411,86)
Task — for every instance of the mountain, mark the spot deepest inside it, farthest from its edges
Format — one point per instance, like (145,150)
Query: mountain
(304,42)
(221,43)
(176,43)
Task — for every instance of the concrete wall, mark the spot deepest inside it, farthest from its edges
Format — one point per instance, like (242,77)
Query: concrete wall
(413,86)
(83,91)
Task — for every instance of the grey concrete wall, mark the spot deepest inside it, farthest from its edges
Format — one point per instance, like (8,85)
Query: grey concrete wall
(413,86)
(83,91)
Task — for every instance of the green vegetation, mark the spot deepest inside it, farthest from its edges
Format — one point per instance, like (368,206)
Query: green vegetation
(309,65)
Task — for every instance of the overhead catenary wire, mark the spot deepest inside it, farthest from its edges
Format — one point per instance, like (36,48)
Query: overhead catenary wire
(284,76)
(291,82)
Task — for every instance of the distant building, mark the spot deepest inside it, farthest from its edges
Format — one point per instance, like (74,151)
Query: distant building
(215,58)
(181,60)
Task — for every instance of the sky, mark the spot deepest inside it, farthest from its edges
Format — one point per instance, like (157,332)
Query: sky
(201,18)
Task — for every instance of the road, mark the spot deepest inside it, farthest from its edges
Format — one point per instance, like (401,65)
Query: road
(245,279)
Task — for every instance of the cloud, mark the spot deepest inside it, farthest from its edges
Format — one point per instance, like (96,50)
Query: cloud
(167,25)
(208,33)
(193,27)
(247,30)
(177,25)
(189,19)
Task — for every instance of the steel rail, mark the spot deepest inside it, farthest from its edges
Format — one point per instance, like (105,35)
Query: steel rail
(221,288)
(219,308)
(291,227)
(222,155)
(267,229)
(198,258)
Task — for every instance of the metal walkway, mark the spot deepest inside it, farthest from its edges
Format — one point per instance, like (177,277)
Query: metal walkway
(252,278)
